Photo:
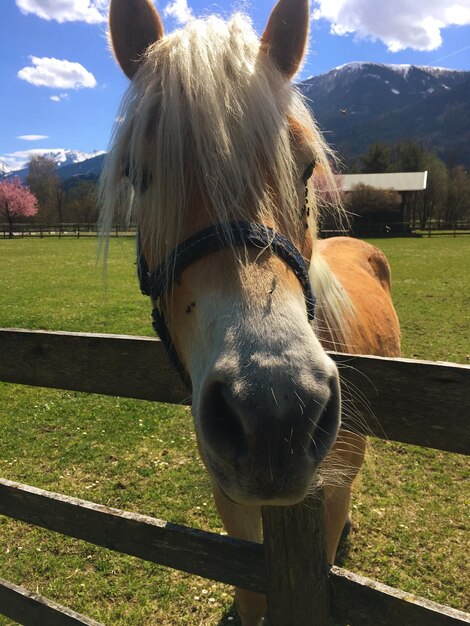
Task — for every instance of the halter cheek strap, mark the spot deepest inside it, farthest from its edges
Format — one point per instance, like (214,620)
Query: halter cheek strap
(207,241)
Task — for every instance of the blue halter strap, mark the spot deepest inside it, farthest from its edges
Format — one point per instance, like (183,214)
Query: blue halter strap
(207,241)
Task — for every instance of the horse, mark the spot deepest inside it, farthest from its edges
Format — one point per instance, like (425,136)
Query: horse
(219,158)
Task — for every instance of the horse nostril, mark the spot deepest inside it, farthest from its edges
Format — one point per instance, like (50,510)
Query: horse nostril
(327,426)
(221,426)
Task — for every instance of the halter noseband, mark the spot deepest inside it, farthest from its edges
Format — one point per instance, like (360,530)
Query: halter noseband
(207,241)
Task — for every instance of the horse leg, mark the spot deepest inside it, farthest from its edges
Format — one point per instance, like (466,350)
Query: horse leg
(243,522)
(346,459)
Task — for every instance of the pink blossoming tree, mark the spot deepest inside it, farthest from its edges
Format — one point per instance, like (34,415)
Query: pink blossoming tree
(16,201)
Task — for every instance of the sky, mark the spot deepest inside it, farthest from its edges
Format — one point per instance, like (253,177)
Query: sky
(60,86)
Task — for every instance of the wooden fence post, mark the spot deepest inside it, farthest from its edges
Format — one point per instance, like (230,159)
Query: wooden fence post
(296,564)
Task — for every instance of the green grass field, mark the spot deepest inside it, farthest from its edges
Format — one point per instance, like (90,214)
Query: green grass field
(409,510)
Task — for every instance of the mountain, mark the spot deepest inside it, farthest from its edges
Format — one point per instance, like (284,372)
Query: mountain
(63,158)
(4,169)
(361,103)
(355,105)
(71,163)
(89,169)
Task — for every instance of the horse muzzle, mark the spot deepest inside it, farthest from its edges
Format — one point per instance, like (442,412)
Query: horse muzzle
(263,441)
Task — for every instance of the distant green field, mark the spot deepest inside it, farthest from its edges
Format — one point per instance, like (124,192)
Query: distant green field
(57,284)
(431,291)
(409,508)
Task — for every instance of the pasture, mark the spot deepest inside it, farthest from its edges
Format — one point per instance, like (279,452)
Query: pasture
(409,507)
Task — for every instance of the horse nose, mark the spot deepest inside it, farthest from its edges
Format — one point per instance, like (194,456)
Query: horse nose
(225,426)
(279,425)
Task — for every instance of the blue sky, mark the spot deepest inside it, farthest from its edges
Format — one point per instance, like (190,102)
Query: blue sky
(60,86)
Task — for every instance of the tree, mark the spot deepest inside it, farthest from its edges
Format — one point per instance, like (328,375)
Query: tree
(366,200)
(377,159)
(16,201)
(46,186)
(82,202)
(411,157)
(432,200)
(458,198)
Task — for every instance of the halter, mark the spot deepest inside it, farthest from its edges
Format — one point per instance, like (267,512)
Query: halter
(203,243)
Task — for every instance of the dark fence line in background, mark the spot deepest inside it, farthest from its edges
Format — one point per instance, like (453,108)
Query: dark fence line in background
(464,230)
(75,230)
(404,229)
(79,230)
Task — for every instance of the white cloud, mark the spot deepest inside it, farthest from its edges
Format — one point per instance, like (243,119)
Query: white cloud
(57,74)
(415,24)
(90,11)
(179,10)
(59,97)
(33,137)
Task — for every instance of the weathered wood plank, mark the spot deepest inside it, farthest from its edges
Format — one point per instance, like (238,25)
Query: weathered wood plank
(415,402)
(32,609)
(210,555)
(359,601)
(116,365)
(296,564)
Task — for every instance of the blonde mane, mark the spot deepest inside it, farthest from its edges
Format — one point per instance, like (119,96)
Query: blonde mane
(206,120)
(206,114)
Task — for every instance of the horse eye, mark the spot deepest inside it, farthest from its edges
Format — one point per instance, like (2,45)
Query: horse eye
(308,172)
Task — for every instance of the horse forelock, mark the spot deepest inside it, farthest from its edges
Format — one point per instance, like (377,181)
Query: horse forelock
(209,126)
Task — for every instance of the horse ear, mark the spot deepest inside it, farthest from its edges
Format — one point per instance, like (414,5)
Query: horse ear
(133,26)
(285,36)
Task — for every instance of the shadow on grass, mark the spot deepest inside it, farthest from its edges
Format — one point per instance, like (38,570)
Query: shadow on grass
(230,617)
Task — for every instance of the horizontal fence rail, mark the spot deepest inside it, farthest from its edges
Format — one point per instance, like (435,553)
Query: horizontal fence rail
(33,609)
(354,599)
(210,555)
(404,400)
(359,601)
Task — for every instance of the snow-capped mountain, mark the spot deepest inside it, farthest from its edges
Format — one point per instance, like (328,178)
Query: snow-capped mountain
(69,157)
(70,163)
(360,103)
(358,80)
(4,169)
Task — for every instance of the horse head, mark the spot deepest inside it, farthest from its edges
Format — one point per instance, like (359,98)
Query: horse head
(214,139)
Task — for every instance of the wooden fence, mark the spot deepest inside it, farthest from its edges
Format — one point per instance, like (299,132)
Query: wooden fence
(78,231)
(412,400)
(72,230)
